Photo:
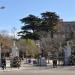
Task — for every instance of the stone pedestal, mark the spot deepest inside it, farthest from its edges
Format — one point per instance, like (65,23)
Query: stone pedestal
(14,53)
(42,61)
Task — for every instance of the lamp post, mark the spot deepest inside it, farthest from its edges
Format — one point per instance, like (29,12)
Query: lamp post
(0,53)
(2,7)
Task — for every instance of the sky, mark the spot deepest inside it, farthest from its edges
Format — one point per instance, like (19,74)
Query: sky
(17,9)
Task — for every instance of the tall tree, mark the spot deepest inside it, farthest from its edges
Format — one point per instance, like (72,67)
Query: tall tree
(33,25)
(36,28)
(49,21)
(29,29)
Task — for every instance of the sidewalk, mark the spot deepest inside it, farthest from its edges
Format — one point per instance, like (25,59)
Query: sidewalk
(23,67)
(29,67)
(8,68)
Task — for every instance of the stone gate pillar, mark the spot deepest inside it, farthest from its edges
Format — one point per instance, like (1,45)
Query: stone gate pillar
(67,53)
(15,51)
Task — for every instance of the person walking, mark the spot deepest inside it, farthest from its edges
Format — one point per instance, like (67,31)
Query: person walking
(54,63)
(3,63)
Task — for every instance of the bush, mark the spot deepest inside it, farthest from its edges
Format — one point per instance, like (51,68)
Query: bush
(16,62)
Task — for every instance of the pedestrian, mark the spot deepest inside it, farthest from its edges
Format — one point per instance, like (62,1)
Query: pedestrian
(3,63)
(54,63)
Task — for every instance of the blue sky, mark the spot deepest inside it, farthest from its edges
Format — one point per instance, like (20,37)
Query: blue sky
(17,9)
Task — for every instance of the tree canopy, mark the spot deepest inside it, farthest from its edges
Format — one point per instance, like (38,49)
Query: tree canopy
(33,25)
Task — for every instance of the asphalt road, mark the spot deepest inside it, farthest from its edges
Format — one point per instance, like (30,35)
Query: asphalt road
(46,72)
(40,71)
(34,70)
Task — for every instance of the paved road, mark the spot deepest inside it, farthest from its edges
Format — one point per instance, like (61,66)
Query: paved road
(38,72)
(32,70)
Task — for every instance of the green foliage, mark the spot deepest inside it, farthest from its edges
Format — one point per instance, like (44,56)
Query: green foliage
(33,25)
(35,28)
(29,47)
(29,29)
(50,20)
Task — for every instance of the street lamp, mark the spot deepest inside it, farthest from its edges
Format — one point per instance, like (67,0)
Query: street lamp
(0,53)
(2,7)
